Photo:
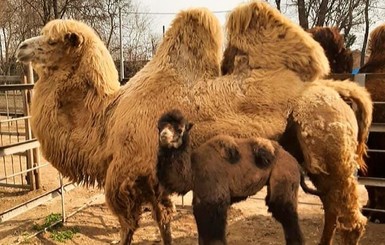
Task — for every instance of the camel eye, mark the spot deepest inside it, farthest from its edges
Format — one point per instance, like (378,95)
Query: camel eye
(179,131)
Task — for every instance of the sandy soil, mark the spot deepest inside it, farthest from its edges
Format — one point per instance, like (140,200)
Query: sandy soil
(248,223)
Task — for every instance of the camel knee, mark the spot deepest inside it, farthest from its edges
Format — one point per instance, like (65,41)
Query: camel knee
(163,210)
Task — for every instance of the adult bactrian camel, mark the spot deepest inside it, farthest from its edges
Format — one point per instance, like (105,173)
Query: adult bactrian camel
(92,131)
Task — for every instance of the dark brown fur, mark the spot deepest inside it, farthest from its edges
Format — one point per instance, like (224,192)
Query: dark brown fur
(376,48)
(225,170)
(340,58)
(376,87)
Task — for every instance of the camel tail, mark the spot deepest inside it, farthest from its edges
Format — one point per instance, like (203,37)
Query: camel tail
(306,188)
(364,109)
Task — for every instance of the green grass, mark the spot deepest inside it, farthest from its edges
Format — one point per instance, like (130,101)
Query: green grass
(56,235)
(49,220)
(62,236)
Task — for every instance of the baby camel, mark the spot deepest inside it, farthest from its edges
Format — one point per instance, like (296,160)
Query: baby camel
(225,170)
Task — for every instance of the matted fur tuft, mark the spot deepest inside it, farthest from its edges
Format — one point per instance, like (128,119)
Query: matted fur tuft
(364,110)
(272,41)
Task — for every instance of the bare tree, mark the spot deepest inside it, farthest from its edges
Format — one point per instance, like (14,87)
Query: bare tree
(278,4)
(323,9)
(303,14)
(23,19)
(367,24)
(344,14)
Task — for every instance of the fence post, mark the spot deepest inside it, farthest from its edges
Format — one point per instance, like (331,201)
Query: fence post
(28,132)
(33,156)
(360,78)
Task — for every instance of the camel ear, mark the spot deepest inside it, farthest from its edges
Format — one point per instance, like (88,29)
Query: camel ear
(73,39)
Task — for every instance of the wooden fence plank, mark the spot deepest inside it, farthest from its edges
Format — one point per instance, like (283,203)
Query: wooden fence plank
(18,147)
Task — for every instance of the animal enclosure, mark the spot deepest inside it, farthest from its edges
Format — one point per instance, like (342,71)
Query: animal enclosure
(18,148)
(25,180)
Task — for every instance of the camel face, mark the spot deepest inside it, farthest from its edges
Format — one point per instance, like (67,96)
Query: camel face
(171,136)
(49,51)
(173,130)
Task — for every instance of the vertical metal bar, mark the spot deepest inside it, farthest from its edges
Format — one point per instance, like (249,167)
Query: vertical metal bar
(5,169)
(13,169)
(19,156)
(121,77)
(63,211)
(36,158)
(6,103)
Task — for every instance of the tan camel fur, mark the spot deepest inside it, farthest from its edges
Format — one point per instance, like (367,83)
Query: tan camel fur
(94,132)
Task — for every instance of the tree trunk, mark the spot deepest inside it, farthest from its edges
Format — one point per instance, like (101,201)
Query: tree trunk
(303,21)
(323,8)
(278,3)
(363,50)
(55,9)
(1,50)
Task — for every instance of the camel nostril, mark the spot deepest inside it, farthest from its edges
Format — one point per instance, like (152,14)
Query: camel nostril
(23,46)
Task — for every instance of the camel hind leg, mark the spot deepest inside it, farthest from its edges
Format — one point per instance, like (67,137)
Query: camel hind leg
(327,131)
(282,198)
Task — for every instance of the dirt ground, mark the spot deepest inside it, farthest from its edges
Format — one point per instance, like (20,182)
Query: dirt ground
(248,222)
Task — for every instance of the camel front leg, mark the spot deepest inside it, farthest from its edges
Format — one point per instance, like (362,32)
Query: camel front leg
(162,214)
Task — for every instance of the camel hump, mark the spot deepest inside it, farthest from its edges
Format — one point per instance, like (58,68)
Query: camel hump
(264,152)
(272,41)
(192,45)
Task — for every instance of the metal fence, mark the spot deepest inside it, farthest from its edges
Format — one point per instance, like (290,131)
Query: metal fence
(18,150)
(20,162)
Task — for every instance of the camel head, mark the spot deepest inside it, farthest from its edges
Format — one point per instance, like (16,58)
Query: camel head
(173,130)
(71,47)
(59,44)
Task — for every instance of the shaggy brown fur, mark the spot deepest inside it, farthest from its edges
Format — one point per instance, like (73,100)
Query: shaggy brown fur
(340,58)
(376,50)
(93,131)
(376,87)
(225,170)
